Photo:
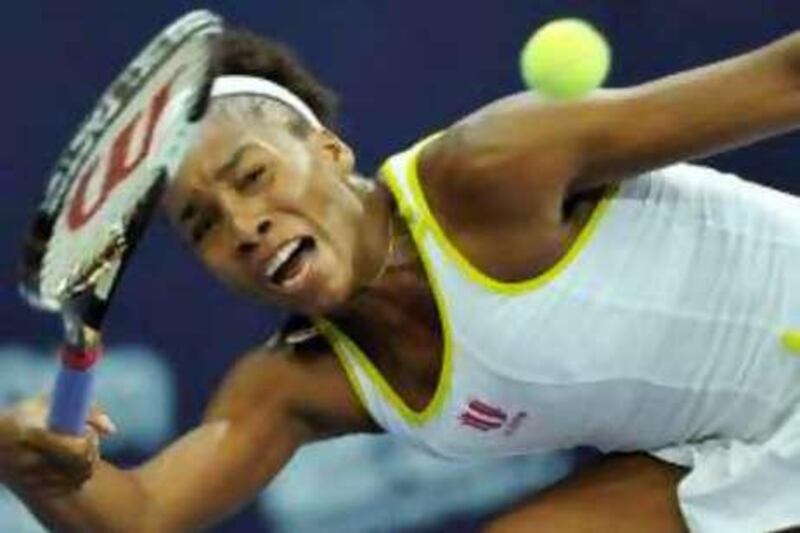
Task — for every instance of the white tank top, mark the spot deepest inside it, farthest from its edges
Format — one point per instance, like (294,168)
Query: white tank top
(669,320)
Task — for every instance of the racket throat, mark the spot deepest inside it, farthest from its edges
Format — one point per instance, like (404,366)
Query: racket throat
(80,331)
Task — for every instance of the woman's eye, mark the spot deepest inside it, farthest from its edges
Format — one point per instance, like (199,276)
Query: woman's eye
(200,230)
(251,178)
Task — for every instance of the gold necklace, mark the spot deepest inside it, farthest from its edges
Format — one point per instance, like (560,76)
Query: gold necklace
(387,258)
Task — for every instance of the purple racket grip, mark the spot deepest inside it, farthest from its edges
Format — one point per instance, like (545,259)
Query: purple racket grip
(74,388)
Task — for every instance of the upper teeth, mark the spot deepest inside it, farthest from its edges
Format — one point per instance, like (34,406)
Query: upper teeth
(281,256)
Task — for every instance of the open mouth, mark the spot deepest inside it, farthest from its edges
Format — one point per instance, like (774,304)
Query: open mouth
(288,262)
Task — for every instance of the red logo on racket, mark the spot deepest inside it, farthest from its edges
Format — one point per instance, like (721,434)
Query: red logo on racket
(120,164)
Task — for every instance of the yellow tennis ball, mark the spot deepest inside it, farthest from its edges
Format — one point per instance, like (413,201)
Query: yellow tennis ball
(791,341)
(566,58)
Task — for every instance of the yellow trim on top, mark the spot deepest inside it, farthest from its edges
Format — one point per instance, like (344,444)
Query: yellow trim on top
(343,345)
(476,275)
(349,371)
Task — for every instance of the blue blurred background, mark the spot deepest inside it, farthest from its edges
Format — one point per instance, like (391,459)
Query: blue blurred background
(402,69)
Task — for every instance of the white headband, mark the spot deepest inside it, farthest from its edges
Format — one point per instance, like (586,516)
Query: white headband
(241,85)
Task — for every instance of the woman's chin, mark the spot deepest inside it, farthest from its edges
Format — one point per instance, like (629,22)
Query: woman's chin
(316,303)
(323,304)
(310,292)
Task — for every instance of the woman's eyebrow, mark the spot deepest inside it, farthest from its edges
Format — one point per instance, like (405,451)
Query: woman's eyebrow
(187,212)
(233,161)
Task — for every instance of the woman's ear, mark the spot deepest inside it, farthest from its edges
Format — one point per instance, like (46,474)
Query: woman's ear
(339,152)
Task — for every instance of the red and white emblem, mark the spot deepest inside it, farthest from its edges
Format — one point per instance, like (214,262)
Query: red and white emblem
(482,416)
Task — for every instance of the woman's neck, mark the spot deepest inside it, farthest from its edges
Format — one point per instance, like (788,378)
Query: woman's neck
(393,289)
(393,317)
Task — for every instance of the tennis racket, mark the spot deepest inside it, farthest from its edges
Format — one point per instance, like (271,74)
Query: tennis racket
(102,191)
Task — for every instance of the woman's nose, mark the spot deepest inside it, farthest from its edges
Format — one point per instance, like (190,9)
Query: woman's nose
(245,248)
(249,235)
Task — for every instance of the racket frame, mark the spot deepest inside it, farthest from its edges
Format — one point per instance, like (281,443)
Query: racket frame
(83,297)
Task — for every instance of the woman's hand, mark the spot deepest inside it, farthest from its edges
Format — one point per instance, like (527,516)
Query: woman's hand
(37,461)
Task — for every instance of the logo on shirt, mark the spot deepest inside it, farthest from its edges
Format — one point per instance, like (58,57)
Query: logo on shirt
(485,417)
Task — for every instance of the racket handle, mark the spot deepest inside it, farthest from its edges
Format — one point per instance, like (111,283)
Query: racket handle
(74,388)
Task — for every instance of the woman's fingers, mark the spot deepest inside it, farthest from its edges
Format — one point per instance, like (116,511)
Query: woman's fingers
(33,457)
(101,422)
(75,457)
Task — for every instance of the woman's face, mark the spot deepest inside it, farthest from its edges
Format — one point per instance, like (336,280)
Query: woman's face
(270,213)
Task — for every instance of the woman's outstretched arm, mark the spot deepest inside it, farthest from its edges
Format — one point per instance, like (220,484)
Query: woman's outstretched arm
(524,141)
(270,404)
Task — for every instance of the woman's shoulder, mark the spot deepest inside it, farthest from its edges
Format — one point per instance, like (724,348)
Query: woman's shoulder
(483,215)
(297,367)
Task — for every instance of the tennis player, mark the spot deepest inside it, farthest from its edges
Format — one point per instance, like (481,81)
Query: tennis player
(537,276)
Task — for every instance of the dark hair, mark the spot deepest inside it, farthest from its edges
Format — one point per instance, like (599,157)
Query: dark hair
(239,51)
